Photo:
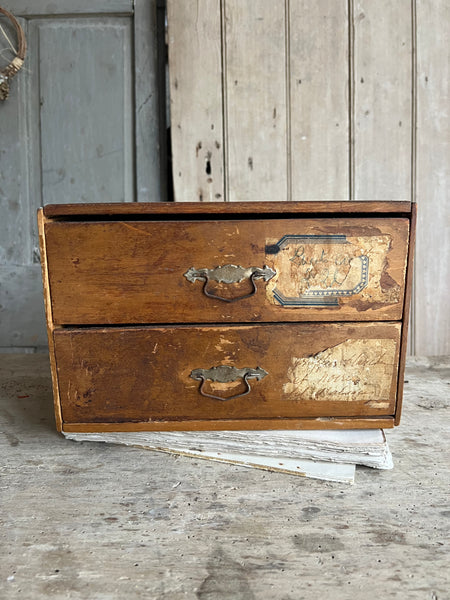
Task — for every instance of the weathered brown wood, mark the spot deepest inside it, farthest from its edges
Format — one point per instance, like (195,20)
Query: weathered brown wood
(147,267)
(313,423)
(219,208)
(49,318)
(134,272)
(145,374)
(406,313)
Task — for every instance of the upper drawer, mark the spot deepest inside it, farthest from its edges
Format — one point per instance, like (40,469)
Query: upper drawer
(302,269)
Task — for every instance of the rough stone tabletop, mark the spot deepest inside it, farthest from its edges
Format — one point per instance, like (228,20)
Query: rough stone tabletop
(99,521)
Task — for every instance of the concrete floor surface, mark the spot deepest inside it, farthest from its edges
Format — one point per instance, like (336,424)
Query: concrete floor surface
(99,521)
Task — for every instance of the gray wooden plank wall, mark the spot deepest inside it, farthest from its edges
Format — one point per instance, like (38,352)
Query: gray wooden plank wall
(300,100)
(80,125)
(356,108)
(323,99)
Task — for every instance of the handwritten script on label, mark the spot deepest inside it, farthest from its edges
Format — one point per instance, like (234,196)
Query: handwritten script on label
(354,370)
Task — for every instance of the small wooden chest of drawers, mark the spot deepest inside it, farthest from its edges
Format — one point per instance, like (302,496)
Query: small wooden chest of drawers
(227,316)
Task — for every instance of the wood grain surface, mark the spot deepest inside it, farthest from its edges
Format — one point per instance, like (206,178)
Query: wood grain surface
(49,319)
(255,102)
(197,142)
(134,271)
(406,321)
(314,99)
(383,79)
(220,208)
(318,82)
(144,374)
(432,283)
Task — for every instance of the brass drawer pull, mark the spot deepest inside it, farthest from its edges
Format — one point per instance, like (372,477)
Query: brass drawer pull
(227,374)
(229,274)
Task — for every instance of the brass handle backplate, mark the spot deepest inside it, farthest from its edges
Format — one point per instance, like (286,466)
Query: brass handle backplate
(227,374)
(229,274)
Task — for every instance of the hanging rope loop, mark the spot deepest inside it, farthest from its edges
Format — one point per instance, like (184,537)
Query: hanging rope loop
(15,65)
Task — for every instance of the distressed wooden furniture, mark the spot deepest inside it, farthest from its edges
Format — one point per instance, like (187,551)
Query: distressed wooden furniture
(227,316)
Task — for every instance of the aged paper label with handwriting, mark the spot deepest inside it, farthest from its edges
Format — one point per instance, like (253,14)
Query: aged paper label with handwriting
(354,370)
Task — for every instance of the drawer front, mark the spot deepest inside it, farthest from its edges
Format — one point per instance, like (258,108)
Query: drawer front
(254,372)
(227,271)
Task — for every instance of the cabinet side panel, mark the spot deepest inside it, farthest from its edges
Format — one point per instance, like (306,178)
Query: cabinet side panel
(49,318)
(406,314)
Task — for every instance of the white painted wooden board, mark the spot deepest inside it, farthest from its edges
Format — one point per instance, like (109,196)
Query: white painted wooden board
(361,73)
(382,59)
(146,125)
(264,448)
(343,133)
(194,34)
(432,284)
(303,467)
(319,112)
(255,100)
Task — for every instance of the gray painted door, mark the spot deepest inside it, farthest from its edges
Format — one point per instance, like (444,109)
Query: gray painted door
(80,125)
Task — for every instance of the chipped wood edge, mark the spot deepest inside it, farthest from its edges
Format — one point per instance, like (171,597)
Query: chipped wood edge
(406,312)
(236,425)
(177,209)
(42,220)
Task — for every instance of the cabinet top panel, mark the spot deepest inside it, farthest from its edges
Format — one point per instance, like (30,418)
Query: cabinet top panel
(177,210)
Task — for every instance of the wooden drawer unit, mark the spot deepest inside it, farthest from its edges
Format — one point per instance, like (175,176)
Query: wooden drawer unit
(227,316)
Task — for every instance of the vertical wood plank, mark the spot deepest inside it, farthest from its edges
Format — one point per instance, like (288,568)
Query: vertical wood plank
(33,116)
(86,110)
(146,102)
(256,99)
(195,67)
(319,80)
(432,284)
(382,99)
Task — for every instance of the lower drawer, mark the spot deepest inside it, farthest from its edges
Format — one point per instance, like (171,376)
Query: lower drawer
(225,377)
